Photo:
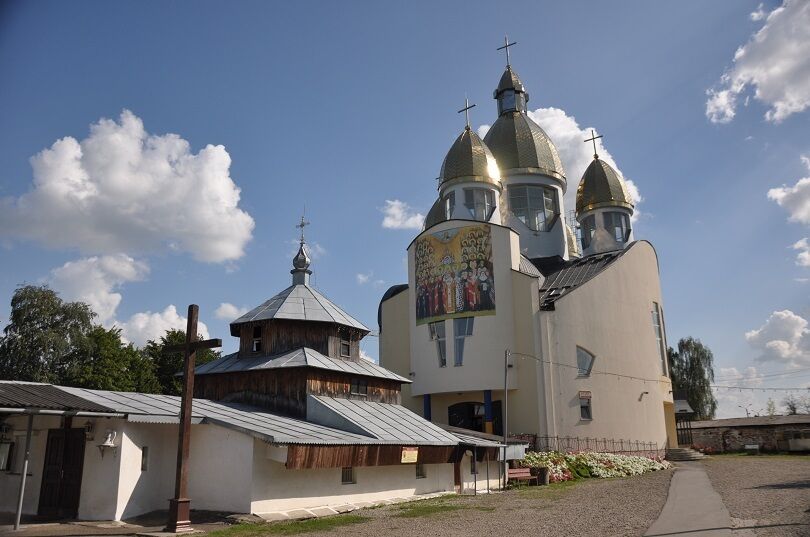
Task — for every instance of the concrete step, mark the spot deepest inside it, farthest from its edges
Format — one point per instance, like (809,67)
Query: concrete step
(684,454)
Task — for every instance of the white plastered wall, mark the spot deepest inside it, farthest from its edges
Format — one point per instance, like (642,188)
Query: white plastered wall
(395,344)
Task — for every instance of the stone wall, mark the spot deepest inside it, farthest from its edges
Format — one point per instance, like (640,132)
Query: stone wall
(769,438)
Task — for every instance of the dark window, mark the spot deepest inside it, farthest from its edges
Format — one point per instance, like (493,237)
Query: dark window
(462,328)
(618,225)
(584,362)
(585,408)
(480,202)
(473,465)
(345,347)
(535,206)
(6,455)
(421,473)
(359,387)
(257,339)
(347,476)
(144,458)
(588,229)
(437,334)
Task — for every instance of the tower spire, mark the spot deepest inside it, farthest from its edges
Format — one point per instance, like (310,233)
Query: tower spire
(593,139)
(301,261)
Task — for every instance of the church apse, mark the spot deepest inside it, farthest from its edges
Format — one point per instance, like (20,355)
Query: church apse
(454,274)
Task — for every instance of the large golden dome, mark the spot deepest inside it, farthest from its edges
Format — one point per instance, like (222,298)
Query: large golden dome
(470,159)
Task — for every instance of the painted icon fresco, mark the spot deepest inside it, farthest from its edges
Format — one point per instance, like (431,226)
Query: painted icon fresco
(454,274)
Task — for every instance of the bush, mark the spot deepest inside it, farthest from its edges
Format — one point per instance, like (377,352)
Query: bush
(567,466)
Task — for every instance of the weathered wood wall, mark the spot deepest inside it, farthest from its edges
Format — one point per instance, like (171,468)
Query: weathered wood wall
(283,335)
(279,390)
(336,384)
(299,456)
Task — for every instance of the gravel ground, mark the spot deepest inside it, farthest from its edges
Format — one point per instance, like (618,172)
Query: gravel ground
(594,507)
(769,495)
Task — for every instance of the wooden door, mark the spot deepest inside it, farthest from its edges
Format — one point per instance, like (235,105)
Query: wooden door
(62,473)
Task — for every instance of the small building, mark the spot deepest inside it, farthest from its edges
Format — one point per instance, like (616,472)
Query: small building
(769,433)
(295,419)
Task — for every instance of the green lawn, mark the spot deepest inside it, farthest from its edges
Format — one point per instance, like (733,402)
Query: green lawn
(293,527)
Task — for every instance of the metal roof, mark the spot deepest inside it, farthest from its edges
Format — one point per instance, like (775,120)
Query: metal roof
(756,421)
(388,423)
(574,273)
(509,80)
(35,396)
(475,438)
(470,158)
(303,357)
(527,267)
(300,302)
(601,186)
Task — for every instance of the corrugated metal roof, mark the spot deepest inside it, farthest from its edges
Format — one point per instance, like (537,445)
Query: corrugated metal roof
(573,274)
(388,423)
(44,397)
(303,303)
(756,421)
(473,438)
(303,357)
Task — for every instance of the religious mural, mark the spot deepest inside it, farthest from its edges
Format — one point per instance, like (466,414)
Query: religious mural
(454,274)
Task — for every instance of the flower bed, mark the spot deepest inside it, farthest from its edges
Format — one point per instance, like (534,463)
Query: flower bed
(567,466)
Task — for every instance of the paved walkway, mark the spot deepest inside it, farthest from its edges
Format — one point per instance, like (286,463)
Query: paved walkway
(693,508)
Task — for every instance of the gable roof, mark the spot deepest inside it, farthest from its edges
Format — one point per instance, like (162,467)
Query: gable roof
(299,302)
(574,273)
(303,357)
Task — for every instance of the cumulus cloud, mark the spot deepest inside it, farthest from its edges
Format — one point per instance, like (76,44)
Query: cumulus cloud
(784,338)
(775,63)
(123,189)
(759,14)
(95,280)
(142,327)
(363,278)
(228,312)
(399,215)
(795,199)
(803,257)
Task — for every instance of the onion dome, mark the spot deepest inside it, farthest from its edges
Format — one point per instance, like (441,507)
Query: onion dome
(602,186)
(510,81)
(520,144)
(471,160)
(301,261)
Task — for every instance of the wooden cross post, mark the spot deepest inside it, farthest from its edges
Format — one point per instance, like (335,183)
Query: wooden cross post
(179,506)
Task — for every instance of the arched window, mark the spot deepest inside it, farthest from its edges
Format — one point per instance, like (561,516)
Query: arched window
(534,205)
(618,225)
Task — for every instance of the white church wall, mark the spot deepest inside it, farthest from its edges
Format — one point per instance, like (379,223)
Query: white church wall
(275,488)
(482,365)
(101,475)
(10,481)
(395,344)
(610,316)
(486,479)
(220,469)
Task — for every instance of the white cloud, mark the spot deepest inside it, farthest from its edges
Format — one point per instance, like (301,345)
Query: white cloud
(775,63)
(142,327)
(123,189)
(576,155)
(784,338)
(759,14)
(363,278)
(228,312)
(399,215)
(803,257)
(94,280)
(795,199)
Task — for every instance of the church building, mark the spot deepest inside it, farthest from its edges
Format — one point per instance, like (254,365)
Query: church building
(505,302)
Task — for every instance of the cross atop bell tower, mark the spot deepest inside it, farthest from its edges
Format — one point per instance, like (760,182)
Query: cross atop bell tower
(506,45)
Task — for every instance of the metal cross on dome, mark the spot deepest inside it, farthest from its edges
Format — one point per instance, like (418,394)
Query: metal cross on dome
(466,110)
(593,139)
(506,45)
(301,226)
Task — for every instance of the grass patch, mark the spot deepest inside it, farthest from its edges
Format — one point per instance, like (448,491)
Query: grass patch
(427,509)
(293,527)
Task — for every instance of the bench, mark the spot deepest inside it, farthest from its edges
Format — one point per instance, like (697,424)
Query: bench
(521,474)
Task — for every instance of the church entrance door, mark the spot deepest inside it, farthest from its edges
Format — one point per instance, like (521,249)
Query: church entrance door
(62,473)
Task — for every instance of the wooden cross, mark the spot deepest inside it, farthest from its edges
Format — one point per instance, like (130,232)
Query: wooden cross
(506,45)
(302,225)
(466,110)
(179,506)
(593,139)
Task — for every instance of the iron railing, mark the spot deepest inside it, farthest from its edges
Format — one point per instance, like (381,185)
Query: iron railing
(569,444)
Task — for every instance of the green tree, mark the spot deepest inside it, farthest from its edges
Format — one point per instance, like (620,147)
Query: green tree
(44,337)
(169,364)
(692,371)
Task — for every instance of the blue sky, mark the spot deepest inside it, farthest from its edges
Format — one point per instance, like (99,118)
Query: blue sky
(343,107)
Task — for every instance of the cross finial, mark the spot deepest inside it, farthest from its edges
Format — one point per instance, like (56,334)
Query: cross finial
(593,139)
(301,226)
(466,110)
(506,45)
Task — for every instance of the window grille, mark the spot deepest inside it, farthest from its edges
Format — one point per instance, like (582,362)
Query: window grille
(347,476)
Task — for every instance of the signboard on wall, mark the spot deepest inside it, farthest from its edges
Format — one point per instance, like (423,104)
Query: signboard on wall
(409,455)
(454,274)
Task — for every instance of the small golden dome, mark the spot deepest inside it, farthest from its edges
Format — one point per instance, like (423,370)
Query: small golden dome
(602,186)
(509,80)
(471,159)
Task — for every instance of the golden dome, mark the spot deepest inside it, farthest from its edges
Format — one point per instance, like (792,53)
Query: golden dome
(519,143)
(602,186)
(509,80)
(469,158)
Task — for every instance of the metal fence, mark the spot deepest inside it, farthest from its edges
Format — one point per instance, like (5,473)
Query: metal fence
(567,444)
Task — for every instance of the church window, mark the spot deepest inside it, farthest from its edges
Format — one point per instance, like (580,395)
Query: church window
(6,455)
(588,229)
(449,205)
(257,339)
(437,334)
(506,101)
(618,225)
(584,362)
(144,458)
(462,328)
(480,202)
(348,476)
(359,387)
(658,327)
(536,206)
(585,412)
(345,347)
(421,473)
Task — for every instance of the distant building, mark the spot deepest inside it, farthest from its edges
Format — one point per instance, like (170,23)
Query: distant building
(497,267)
(769,433)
